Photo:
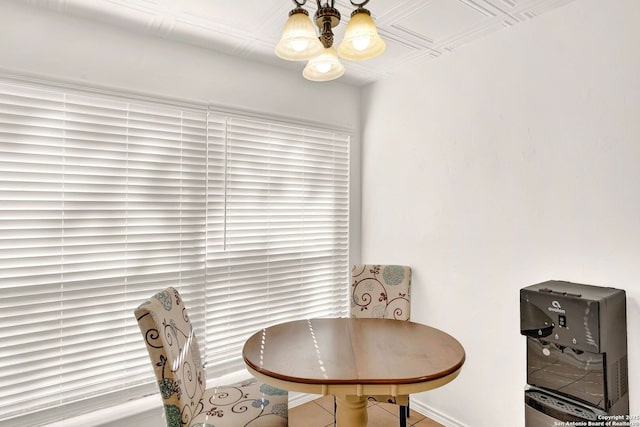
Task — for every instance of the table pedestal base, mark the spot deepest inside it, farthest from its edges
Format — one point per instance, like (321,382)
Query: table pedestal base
(351,411)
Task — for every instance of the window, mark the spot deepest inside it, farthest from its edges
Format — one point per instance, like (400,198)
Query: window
(107,199)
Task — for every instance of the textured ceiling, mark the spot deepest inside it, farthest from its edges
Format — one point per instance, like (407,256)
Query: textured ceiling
(412,29)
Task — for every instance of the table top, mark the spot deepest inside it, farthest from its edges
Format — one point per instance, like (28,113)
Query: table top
(353,351)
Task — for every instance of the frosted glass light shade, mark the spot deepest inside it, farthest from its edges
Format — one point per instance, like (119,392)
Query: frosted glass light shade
(299,40)
(324,67)
(361,40)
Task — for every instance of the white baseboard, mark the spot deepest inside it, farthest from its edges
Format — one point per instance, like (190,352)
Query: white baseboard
(437,416)
(297,399)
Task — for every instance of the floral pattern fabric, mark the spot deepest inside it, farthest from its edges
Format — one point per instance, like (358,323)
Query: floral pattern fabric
(381,291)
(173,348)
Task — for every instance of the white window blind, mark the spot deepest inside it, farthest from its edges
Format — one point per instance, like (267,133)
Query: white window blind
(281,246)
(105,200)
(102,205)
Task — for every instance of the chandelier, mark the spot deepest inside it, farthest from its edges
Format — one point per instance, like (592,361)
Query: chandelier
(300,42)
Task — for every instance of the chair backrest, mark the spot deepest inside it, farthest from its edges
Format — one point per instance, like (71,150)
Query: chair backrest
(381,291)
(175,355)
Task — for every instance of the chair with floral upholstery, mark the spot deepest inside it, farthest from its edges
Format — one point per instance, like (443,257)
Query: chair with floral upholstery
(383,291)
(175,356)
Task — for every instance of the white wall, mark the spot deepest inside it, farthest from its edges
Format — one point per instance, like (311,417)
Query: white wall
(41,42)
(45,45)
(506,163)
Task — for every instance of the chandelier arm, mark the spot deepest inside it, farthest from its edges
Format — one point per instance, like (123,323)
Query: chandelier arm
(300,3)
(362,4)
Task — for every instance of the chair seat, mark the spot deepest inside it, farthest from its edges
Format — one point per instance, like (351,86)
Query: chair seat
(173,349)
(247,404)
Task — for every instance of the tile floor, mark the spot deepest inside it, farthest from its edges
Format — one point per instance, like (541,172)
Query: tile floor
(319,413)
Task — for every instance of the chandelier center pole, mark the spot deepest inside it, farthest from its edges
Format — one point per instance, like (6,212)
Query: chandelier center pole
(327,17)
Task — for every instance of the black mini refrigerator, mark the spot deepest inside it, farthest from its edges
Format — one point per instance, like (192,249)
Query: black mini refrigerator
(576,354)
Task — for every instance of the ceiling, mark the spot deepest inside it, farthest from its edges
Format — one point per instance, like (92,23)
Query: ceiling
(412,29)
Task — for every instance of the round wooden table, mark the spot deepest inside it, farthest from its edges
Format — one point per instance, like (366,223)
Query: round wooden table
(353,359)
